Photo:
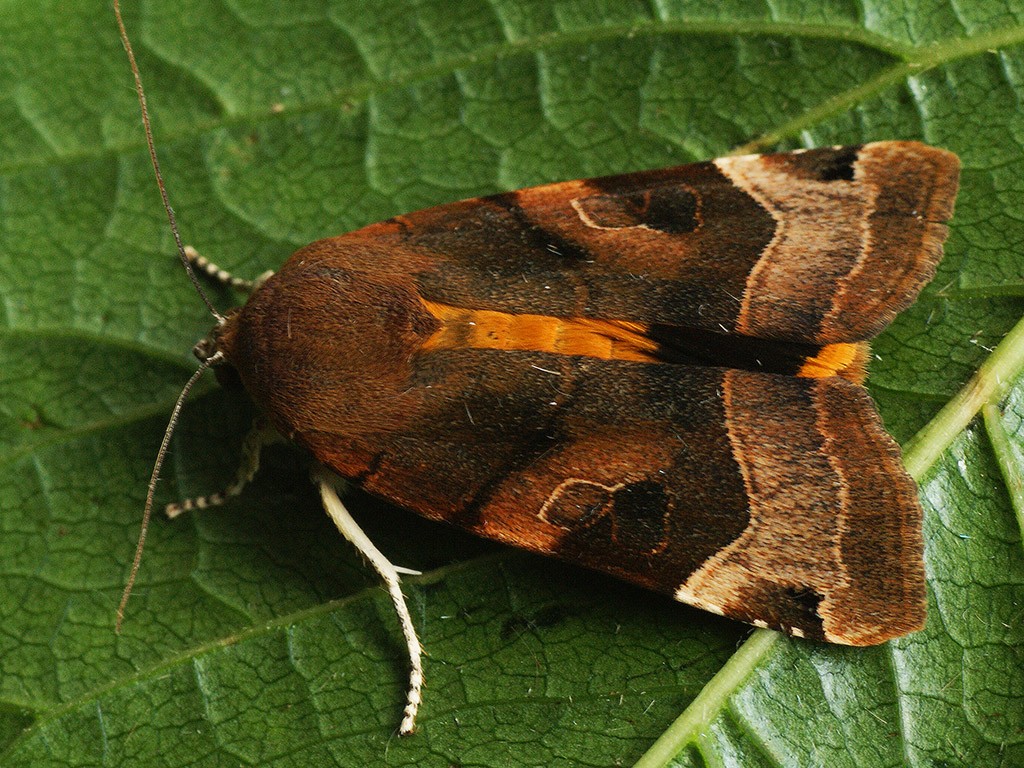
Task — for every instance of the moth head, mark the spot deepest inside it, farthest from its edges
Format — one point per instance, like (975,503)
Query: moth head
(213,351)
(206,348)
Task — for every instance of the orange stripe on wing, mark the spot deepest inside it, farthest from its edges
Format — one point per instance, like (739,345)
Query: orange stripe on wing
(487,329)
(466,328)
(846,360)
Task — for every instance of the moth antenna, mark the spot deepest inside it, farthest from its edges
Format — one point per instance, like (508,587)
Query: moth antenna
(148,511)
(156,164)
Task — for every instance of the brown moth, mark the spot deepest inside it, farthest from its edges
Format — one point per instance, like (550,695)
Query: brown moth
(657,375)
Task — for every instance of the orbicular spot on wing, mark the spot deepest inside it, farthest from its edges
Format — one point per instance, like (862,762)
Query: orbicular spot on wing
(631,516)
(577,503)
(672,210)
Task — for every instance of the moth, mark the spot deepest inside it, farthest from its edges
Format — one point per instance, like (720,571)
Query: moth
(658,375)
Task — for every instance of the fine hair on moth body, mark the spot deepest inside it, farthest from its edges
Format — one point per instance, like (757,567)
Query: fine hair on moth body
(261,434)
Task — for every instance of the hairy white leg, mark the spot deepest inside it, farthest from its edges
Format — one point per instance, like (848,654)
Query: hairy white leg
(260,435)
(389,573)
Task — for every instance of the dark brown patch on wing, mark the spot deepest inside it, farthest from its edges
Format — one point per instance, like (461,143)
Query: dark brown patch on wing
(641,511)
(826,164)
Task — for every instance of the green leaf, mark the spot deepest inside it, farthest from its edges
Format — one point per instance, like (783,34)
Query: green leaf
(255,636)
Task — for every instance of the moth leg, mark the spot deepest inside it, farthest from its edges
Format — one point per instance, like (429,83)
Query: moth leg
(389,573)
(222,276)
(260,435)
